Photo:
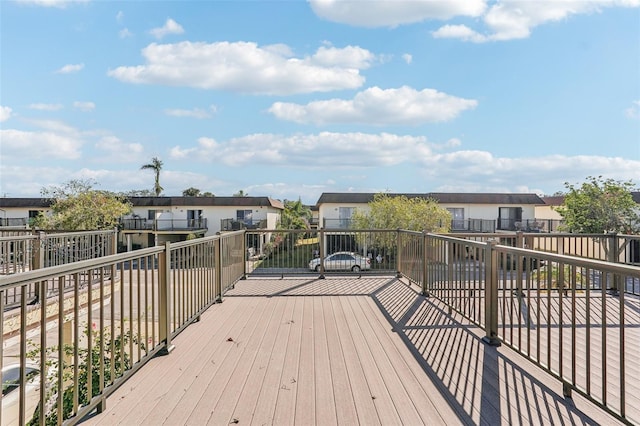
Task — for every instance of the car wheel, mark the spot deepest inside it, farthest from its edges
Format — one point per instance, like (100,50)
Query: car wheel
(355,268)
(317,268)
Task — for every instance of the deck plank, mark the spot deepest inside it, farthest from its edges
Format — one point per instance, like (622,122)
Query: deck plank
(366,410)
(273,380)
(361,351)
(285,404)
(229,374)
(245,382)
(324,386)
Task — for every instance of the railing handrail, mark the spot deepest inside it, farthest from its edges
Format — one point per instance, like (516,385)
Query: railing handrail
(19,238)
(569,259)
(14,280)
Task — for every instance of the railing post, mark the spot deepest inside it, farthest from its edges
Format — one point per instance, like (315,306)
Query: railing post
(613,256)
(114,242)
(519,239)
(37,261)
(398,254)
(425,268)
(321,251)
(491,294)
(244,255)
(217,255)
(37,251)
(164,298)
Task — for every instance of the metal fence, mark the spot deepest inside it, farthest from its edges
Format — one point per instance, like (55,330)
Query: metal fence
(576,318)
(105,318)
(324,251)
(163,224)
(26,252)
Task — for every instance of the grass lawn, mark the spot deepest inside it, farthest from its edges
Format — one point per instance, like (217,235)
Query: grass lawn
(296,257)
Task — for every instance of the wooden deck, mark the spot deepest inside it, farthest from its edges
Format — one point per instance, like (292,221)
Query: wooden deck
(339,351)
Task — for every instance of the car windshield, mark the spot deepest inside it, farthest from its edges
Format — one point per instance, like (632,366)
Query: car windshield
(11,378)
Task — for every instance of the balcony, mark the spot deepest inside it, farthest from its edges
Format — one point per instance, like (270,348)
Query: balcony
(530,225)
(139,224)
(236,225)
(338,351)
(443,331)
(475,225)
(15,222)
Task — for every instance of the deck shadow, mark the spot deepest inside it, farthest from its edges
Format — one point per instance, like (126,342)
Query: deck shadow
(483,384)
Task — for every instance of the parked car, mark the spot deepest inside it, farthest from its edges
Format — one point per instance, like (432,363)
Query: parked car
(11,394)
(342,261)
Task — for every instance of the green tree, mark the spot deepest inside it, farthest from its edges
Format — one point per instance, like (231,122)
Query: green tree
(208,194)
(138,193)
(76,206)
(388,211)
(400,212)
(191,192)
(156,166)
(295,215)
(600,205)
(241,193)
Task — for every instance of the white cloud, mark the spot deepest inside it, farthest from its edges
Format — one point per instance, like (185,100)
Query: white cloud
(407,58)
(46,107)
(393,13)
(70,68)
(119,16)
(124,33)
(461,32)
(482,171)
(5,113)
(248,68)
(515,19)
(320,150)
(194,113)
(115,149)
(52,3)
(55,126)
(170,27)
(45,144)
(376,106)
(633,111)
(84,106)
(348,57)
(473,170)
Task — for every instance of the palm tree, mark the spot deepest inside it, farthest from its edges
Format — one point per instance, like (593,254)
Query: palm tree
(156,166)
(241,193)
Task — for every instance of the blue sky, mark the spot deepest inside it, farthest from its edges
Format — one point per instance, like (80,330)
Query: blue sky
(291,99)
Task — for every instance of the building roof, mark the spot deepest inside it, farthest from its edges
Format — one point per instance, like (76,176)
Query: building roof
(558,200)
(441,197)
(26,203)
(160,202)
(555,200)
(206,201)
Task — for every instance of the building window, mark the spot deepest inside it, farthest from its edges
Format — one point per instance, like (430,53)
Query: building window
(151,215)
(457,218)
(194,214)
(344,214)
(194,217)
(244,216)
(508,217)
(33,214)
